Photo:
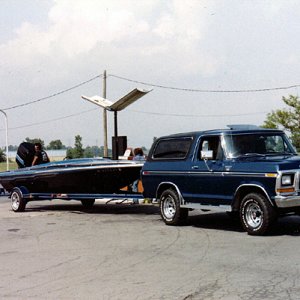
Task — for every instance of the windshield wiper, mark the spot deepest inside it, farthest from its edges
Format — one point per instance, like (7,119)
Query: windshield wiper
(285,153)
(245,155)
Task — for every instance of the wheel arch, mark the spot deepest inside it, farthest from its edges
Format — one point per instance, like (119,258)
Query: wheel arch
(21,189)
(245,189)
(168,185)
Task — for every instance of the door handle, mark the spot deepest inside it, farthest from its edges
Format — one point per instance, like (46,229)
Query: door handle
(195,167)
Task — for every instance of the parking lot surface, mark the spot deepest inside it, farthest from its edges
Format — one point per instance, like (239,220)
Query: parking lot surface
(58,250)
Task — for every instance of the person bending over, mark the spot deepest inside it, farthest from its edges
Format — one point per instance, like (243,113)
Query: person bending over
(40,156)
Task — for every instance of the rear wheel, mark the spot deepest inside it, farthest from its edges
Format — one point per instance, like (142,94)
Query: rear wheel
(257,214)
(170,209)
(18,203)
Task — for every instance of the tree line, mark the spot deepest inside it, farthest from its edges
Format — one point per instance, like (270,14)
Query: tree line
(78,151)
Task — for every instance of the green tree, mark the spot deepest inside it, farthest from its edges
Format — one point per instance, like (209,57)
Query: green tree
(69,153)
(35,140)
(2,156)
(77,151)
(88,152)
(56,145)
(94,151)
(287,119)
(12,148)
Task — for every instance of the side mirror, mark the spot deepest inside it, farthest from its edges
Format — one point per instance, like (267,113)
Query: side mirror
(207,154)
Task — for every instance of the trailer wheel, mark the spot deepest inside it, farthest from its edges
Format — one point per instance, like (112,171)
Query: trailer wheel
(18,203)
(88,203)
(170,209)
(256,214)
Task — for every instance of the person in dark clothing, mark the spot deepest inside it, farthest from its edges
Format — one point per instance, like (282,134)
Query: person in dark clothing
(138,156)
(40,156)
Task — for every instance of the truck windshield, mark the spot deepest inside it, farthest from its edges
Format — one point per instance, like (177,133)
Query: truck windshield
(244,145)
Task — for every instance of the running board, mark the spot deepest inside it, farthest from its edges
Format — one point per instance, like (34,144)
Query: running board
(216,208)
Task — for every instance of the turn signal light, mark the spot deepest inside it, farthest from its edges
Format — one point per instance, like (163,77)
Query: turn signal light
(286,190)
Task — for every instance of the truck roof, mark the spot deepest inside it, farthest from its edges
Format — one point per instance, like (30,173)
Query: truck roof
(233,129)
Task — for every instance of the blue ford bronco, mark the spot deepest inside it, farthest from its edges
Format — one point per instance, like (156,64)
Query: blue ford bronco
(248,171)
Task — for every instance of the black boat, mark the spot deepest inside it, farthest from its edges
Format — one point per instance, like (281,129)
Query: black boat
(83,179)
(86,176)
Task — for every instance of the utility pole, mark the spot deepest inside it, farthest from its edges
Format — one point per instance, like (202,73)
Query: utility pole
(105,117)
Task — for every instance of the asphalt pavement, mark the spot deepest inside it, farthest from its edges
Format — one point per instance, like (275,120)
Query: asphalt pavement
(59,250)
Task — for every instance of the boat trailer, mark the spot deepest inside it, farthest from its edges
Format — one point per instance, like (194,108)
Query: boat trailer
(20,196)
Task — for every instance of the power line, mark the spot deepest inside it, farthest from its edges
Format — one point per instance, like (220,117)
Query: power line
(153,85)
(197,116)
(141,112)
(150,113)
(52,120)
(207,90)
(53,95)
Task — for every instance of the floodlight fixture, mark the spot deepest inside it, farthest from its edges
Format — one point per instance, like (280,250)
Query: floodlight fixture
(119,105)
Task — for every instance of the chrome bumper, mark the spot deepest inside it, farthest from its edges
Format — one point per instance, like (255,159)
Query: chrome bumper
(287,201)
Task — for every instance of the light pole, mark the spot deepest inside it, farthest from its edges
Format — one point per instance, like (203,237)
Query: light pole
(6,138)
(117,106)
(105,154)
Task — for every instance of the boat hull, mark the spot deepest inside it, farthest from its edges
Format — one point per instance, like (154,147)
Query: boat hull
(74,176)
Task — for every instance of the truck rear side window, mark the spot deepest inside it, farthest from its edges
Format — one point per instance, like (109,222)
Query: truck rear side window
(172,148)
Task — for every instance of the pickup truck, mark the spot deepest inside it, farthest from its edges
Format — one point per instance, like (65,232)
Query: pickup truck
(251,172)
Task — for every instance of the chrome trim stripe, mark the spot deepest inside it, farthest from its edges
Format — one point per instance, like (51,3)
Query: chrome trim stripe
(215,208)
(146,173)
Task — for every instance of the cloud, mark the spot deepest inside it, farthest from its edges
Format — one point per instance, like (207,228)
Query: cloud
(193,44)
(127,27)
(87,23)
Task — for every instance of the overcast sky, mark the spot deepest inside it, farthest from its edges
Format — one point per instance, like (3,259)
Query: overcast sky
(49,46)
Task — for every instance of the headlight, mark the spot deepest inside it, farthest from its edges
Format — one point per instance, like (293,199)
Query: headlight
(287,179)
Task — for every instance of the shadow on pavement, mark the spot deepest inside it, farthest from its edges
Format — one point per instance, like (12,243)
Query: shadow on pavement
(96,209)
(219,221)
(288,225)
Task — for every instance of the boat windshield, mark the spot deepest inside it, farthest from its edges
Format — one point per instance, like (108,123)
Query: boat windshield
(262,144)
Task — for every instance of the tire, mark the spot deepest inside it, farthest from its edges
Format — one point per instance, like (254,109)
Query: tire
(170,210)
(18,203)
(88,203)
(256,214)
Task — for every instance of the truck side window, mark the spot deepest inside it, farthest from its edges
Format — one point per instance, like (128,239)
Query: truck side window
(211,143)
(172,148)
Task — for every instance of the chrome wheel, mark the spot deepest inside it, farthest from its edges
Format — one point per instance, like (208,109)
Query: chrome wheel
(18,203)
(254,215)
(15,201)
(257,214)
(169,207)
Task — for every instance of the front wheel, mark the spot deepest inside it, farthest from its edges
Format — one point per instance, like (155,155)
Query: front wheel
(256,214)
(170,209)
(18,203)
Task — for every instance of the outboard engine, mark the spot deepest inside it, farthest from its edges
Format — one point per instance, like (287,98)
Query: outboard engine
(25,155)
